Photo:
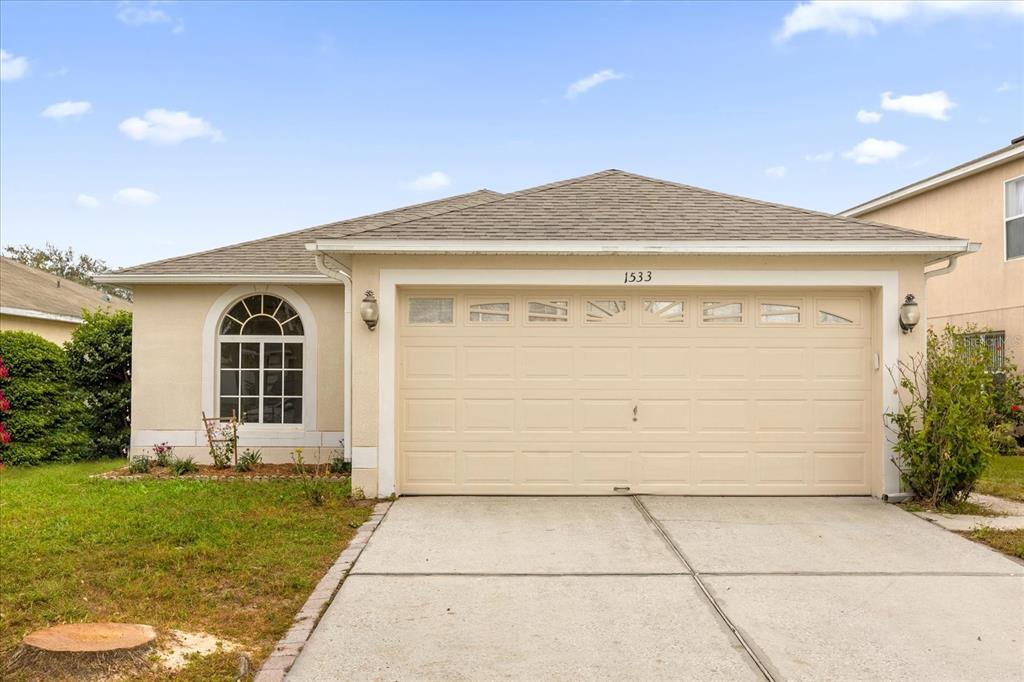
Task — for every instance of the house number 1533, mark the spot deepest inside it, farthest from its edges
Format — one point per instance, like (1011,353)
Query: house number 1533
(636,276)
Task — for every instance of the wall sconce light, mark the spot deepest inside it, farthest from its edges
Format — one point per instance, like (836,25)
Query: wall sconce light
(910,314)
(369,310)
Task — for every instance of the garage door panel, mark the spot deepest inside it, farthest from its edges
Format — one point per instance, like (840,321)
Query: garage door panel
(656,406)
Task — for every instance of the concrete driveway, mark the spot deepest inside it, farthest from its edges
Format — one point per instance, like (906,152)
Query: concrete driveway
(466,588)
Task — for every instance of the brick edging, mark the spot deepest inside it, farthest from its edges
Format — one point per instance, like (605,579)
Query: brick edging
(288,648)
(329,478)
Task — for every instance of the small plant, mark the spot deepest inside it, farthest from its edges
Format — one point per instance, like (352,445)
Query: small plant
(163,454)
(311,478)
(223,440)
(338,465)
(249,460)
(221,457)
(1004,440)
(180,466)
(139,464)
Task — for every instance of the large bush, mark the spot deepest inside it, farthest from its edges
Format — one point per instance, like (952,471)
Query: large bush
(941,429)
(100,358)
(45,414)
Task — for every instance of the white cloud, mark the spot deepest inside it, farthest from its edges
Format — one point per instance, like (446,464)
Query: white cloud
(931,104)
(87,201)
(431,181)
(65,109)
(136,196)
(864,17)
(871,151)
(591,81)
(143,13)
(12,68)
(775,172)
(822,156)
(168,127)
(1005,86)
(868,117)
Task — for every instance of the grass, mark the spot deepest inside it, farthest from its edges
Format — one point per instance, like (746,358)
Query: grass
(1004,477)
(1006,541)
(953,508)
(233,559)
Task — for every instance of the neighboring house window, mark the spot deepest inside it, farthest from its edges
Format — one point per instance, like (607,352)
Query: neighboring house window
(1014,218)
(996,342)
(261,359)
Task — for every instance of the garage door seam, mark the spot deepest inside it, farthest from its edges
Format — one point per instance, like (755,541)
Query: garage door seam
(758,663)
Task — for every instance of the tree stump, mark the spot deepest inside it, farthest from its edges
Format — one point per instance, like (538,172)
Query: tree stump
(84,648)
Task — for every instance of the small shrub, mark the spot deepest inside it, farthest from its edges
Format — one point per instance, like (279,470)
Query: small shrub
(249,460)
(221,458)
(224,445)
(314,486)
(941,428)
(1004,440)
(139,465)
(338,465)
(163,454)
(183,465)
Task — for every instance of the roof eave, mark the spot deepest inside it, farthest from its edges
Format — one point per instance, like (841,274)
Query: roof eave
(211,278)
(935,247)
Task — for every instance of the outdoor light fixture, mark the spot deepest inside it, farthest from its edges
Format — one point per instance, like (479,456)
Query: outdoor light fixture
(369,311)
(910,314)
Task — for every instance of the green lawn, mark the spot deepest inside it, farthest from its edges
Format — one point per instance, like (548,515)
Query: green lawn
(233,559)
(1004,477)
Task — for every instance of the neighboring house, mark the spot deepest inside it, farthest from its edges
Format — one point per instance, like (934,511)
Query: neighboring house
(982,199)
(598,335)
(36,301)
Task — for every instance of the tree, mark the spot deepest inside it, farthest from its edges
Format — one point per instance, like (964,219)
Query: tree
(99,357)
(66,264)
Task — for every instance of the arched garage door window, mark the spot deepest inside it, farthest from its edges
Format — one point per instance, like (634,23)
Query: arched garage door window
(260,372)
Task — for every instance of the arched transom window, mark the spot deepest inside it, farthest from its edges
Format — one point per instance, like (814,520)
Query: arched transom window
(260,376)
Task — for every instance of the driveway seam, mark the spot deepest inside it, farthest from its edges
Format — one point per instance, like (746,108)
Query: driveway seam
(761,666)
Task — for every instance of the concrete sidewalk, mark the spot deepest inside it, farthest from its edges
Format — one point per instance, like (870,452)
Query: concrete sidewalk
(601,588)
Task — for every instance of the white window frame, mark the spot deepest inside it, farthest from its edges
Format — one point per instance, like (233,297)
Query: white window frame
(261,339)
(1007,219)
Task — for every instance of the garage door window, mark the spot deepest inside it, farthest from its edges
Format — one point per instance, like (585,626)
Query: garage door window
(597,311)
(547,312)
(664,311)
(494,312)
(825,317)
(780,313)
(720,312)
(431,310)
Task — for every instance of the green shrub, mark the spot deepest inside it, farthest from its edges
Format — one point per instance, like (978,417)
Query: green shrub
(100,359)
(180,466)
(45,415)
(1004,440)
(941,429)
(139,465)
(338,465)
(163,454)
(249,460)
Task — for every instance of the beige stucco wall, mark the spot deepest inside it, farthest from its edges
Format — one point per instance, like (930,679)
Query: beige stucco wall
(986,289)
(366,271)
(51,330)
(167,369)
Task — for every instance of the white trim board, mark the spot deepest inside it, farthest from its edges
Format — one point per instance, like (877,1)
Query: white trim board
(39,315)
(391,279)
(935,246)
(147,438)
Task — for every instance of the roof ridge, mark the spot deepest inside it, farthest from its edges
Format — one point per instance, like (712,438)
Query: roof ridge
(500,197)
(307,229)
(760,202)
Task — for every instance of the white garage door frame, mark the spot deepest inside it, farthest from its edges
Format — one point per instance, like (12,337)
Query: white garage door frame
(386,455)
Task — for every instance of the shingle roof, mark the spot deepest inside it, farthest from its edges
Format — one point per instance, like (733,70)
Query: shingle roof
(286,254)
(615,205)
(26,288)
(609,205)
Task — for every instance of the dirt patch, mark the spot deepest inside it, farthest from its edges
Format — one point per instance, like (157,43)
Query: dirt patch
(177,649)
(260,472)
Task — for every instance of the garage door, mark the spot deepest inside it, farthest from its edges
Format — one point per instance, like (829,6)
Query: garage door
(568,391)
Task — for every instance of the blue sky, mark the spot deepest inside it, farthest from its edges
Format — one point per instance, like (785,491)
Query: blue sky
(174,127)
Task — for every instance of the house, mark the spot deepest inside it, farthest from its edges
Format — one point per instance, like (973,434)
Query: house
(598,335)
(984,200)
(36,301)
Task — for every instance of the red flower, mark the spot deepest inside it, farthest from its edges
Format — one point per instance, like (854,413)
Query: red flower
(5,405)
(5,437)
(3,370)
(1014,408)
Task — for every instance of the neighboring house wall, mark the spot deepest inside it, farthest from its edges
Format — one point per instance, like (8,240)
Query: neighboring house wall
(368,451)
(169,330)
(51,330)
(986,289)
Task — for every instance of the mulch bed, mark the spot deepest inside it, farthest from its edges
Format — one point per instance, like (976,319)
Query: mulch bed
(208,472)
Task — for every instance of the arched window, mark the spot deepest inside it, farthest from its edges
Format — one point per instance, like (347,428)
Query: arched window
(261,344)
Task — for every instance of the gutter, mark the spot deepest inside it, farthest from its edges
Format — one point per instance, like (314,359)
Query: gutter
(210,278)
(344,275)
(40,315)
(951,261)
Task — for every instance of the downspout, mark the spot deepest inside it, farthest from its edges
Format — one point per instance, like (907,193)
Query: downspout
(951,261)
(343,275)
